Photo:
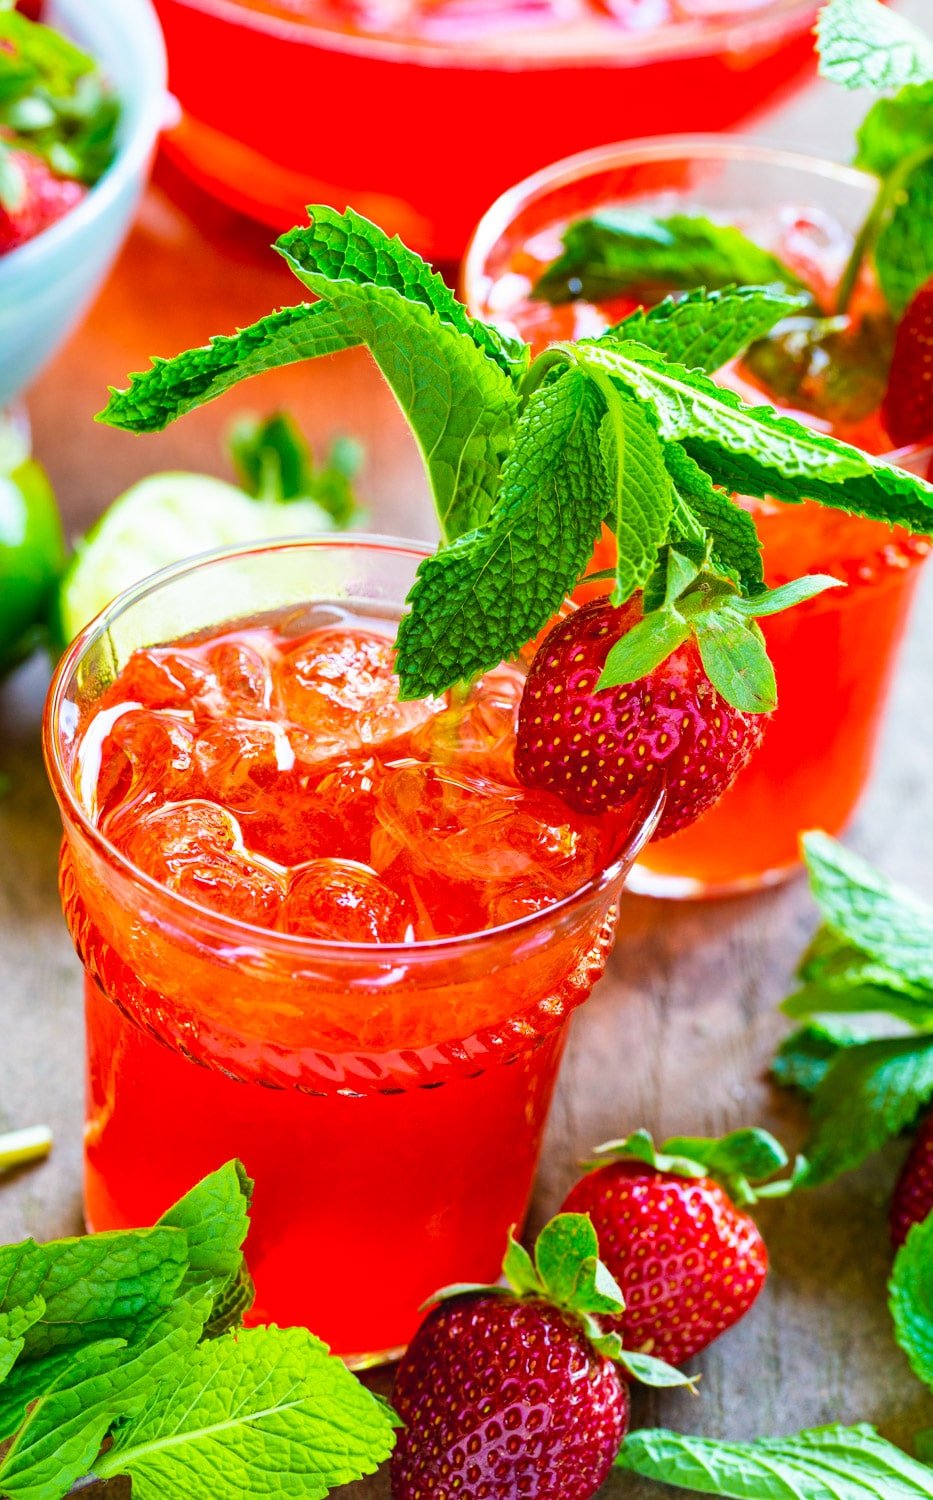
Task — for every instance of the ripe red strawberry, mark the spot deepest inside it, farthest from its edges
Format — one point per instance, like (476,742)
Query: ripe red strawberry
(597,749)
(515,1394)
(45,198)
(907,409)
(913,1193)
(689,1262)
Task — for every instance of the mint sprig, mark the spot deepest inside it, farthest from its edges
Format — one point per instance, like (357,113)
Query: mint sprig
(848,1463)
(864,45)
(620,250)
(526,463)
(873,956)
(112,1361)
(274,462)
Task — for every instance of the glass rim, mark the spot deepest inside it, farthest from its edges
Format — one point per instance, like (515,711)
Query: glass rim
(683,39)
(285,943)
(502,213)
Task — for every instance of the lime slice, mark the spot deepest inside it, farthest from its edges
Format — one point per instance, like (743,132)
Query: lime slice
(162,520)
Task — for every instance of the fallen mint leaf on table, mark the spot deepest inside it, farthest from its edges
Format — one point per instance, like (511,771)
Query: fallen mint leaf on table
(110,1337)
(620,250)
(910,1294)
(873,956)
(844,1463)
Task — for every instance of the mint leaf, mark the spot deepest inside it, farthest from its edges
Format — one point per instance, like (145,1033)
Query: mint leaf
(477,602)
(215,1218)
(736,547)
(622,249)
(848,1463)
(62,1435)
(838,976)
(13,1325)
(864,45)
(803,1059)
(172,387)
(753,451)
(270,1402)
(705,330)
(643,502)
(347,247)
(910,1294)
(884,920)
(903,251)
(897,133)
(101,1287)
(870,1093)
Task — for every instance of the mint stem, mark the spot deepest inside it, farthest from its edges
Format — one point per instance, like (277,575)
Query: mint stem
(885,201)
(20,1147)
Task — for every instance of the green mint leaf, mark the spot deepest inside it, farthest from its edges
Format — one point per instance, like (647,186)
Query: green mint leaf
(48,52)
(268,1402)
(626,250)
(477,602)
(108,1381)
(884,920)
(910,1294)
(459,404)
(215,1218)
(519,1270)
(735,659)
(864,45)
(736,546)
(172,387)
(804,1058)
(753,451)
(643,648)
(897,132)
(705,330)
(838,976)
(644,496)
(903,249)
(571,1273)
(774,601)
(346,247)
(848,1463)
(272,457)
(100,1287)
(870,1093)
(13,1325)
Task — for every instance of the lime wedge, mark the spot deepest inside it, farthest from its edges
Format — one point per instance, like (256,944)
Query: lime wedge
(162,520)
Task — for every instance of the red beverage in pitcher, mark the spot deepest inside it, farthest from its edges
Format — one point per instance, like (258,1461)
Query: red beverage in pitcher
(819,746)
(397,107)
(323,931)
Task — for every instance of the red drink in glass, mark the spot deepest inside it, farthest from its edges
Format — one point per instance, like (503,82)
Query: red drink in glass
(417,114)
(322,931)
(834,657)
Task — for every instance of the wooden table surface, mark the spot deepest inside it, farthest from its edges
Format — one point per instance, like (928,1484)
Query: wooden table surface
(679,1033)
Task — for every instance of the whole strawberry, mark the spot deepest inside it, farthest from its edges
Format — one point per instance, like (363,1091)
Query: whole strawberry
(913,1193)
(688,1260)
(907,409)
(597,747)
(515,1393)
(34,198)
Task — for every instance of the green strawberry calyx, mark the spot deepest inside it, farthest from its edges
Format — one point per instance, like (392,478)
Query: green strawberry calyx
(687,598)
(566,1272)
(744,1162)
